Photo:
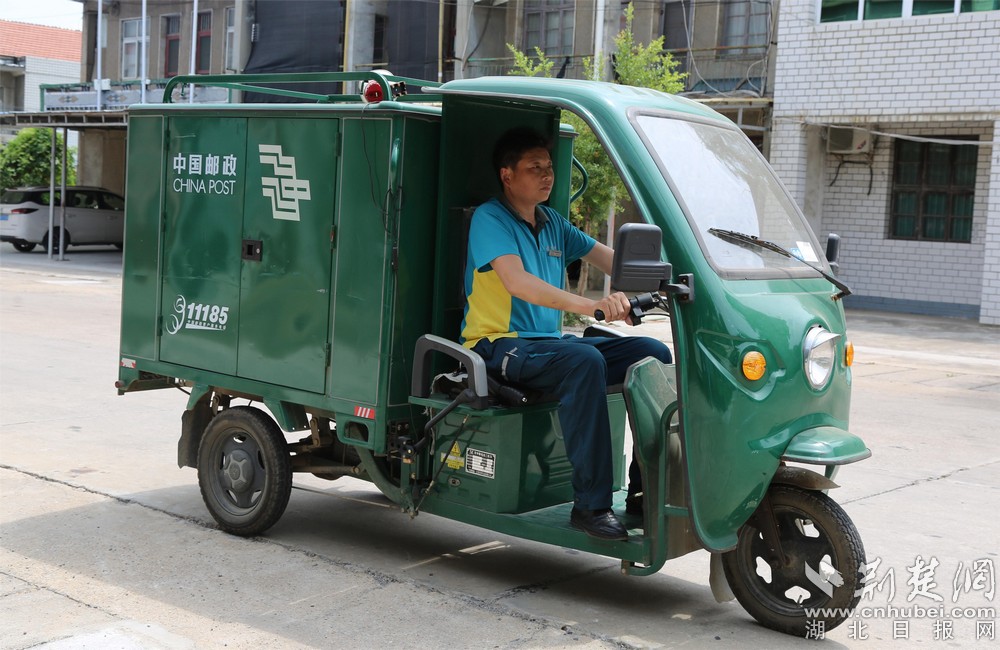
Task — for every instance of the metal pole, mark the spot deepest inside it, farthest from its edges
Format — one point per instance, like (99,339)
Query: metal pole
(348,44)
(611,243)
(598,71)
(440,42)
(145,55)
(62,202)
(52,192)
(194,43)
(100,37)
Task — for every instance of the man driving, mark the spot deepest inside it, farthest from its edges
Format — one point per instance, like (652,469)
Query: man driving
(514,283)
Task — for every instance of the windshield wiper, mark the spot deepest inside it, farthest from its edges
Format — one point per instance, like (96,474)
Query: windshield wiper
(749,240)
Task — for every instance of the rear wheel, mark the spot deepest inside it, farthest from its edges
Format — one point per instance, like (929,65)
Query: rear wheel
(244,471)
(23,246)
(823,568)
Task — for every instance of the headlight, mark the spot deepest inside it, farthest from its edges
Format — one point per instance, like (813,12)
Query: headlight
(819,351)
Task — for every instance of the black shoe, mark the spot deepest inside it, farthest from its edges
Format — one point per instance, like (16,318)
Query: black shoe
(633,504)
(602,524)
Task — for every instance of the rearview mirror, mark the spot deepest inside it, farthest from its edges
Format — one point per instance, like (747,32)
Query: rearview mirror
(637,266)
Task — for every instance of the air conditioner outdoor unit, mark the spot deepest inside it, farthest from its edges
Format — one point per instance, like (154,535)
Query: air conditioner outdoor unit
(845,140)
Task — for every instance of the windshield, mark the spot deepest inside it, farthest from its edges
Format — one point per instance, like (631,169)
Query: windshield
(722,182)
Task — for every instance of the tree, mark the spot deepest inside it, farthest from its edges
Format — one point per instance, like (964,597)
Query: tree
(645,66)
(25,160)
(635,64)
(590,211)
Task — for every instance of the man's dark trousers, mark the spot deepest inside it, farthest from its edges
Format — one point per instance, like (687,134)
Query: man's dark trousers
(577,371)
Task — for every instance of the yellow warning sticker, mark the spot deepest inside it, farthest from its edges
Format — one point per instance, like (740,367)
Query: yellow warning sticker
(455,459)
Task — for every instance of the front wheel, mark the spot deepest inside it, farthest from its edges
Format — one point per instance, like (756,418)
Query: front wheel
(244,471)
(819,584)
(23,247)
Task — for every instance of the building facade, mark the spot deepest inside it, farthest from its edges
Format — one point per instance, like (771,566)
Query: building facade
(896,146)
(173,30)
(881,116)
(31,56)
(726,47)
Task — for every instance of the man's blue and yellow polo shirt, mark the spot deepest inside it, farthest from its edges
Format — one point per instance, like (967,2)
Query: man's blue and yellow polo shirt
(490,311)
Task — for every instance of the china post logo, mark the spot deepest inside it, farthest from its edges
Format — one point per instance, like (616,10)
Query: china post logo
(284,189)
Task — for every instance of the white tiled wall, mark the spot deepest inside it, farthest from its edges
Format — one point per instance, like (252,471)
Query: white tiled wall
(933,76)
(38,71)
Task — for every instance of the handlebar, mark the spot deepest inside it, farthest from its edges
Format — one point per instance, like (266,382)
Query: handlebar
(638,306)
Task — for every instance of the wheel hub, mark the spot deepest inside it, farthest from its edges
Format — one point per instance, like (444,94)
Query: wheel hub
(237,470)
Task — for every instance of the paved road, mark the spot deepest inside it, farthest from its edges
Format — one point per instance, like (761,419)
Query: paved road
(105,543)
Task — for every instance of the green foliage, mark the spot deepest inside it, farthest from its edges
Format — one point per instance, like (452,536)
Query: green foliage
(590,211)
(575,321)
(523,66)
(646,66)
(24,161)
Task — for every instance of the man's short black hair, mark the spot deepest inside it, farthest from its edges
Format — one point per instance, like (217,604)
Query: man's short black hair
(513,144)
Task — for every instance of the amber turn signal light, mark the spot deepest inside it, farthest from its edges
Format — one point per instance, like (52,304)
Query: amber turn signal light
(849,354)
(754,365)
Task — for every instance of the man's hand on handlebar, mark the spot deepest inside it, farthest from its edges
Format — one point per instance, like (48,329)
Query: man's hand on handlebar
(637,308)
(613,307)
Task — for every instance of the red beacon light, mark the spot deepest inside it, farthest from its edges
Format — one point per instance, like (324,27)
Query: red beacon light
(371,90)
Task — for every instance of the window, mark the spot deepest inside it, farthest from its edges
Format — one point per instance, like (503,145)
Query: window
(875,9)
(675,24)
(744,196)
(840,10)
(379,53)
(131,47)
(230,38)
(548,24)
(747,23)
(203,43)
(933,186)
(171,45)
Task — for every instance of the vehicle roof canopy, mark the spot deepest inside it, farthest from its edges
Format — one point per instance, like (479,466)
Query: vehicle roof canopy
(596,98)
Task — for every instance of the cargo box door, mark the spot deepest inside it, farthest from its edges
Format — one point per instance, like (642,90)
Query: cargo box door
(286,252)
(202,226)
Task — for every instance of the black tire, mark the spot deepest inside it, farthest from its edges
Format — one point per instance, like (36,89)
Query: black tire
(814,532)
(56,238)
(23,246)
(244,471)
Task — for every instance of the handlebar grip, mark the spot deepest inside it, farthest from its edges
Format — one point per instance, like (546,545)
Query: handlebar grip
(507,394)
(599,314)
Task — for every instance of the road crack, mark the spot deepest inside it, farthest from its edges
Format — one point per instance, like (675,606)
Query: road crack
(921,481)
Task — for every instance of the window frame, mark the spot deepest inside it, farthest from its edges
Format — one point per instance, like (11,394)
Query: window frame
(380,44)
(925,186)
(738,44)
(230,43)
(906,11)
(135,40)
(203,39)
(546,12)
(171,38)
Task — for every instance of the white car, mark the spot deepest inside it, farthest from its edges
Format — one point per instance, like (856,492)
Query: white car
(93,216)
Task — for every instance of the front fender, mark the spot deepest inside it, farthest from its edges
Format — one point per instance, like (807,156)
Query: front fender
(825,445)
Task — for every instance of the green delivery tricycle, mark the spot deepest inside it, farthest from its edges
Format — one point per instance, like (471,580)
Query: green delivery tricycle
(296,267)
